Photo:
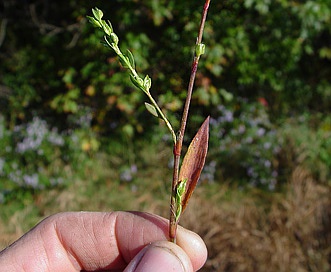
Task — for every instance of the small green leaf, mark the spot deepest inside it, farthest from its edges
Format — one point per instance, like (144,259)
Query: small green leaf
(151,109)
(180,190)
(110,44)
(98,14)
(180,193)
(94,22)
(110,25)
(131,58)
(124,60)
(107,28)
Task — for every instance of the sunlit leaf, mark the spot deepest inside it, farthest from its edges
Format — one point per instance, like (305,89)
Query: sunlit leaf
(131,58)
(194,161)
(151,109)
(93,21)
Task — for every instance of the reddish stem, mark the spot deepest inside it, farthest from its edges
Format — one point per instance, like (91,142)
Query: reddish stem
(179,143)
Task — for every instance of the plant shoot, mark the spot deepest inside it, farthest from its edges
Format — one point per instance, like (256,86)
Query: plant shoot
(185,177)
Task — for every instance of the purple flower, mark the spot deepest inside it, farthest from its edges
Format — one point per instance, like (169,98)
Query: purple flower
(267,145)
(55,139)
(228,116)
(241,129)
(267,164)
(260,132)
(2,164)
(31,180)
(133,168)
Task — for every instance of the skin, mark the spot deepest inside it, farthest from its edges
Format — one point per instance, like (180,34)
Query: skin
(95,241)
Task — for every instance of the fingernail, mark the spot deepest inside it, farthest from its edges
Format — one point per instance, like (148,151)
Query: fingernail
(156,258)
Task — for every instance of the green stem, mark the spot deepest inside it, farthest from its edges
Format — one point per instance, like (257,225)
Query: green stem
(147,92)
(163,117)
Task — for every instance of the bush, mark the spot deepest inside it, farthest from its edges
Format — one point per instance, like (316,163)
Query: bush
(307,143)
(34,156)
(254,48)
(245,144)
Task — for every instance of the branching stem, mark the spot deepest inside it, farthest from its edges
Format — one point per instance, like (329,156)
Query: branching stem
(179,143)
(127,60)
(140,84)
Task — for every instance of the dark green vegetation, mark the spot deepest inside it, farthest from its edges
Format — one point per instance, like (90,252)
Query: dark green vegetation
(74,132)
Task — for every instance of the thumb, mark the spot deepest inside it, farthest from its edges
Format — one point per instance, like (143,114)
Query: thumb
(160,256)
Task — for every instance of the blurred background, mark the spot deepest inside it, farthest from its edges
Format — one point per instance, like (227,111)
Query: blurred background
(75,135)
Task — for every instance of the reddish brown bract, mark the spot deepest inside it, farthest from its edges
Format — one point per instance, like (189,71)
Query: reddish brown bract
(194,161)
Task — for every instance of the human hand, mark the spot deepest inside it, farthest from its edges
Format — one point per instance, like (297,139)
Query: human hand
(94,241)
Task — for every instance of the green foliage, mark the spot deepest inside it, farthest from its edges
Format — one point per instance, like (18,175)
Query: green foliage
(269,48)
(255,48)
(34,156)
(307,143)
(127,61)
(52,65)
(18,82)
(246,147)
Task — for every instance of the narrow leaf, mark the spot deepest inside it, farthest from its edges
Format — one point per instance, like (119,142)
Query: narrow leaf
(180,192)
(110,26)
(151,109)
(194,161)
(124,60)
(106,28)
(131,58)
(93,21)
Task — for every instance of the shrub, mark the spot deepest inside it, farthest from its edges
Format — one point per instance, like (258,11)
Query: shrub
(245,143)
(307,143)
(275,55)
(34,156)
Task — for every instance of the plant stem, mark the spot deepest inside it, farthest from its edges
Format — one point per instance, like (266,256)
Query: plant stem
(147,92)
(179,143)
(163,117)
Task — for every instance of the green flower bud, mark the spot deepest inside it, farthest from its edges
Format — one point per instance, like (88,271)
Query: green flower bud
(137,81)
(114,38)
(200,49)
(147,82)
(98,14)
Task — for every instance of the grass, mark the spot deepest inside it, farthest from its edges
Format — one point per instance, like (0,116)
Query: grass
(290,231)
(245,230)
